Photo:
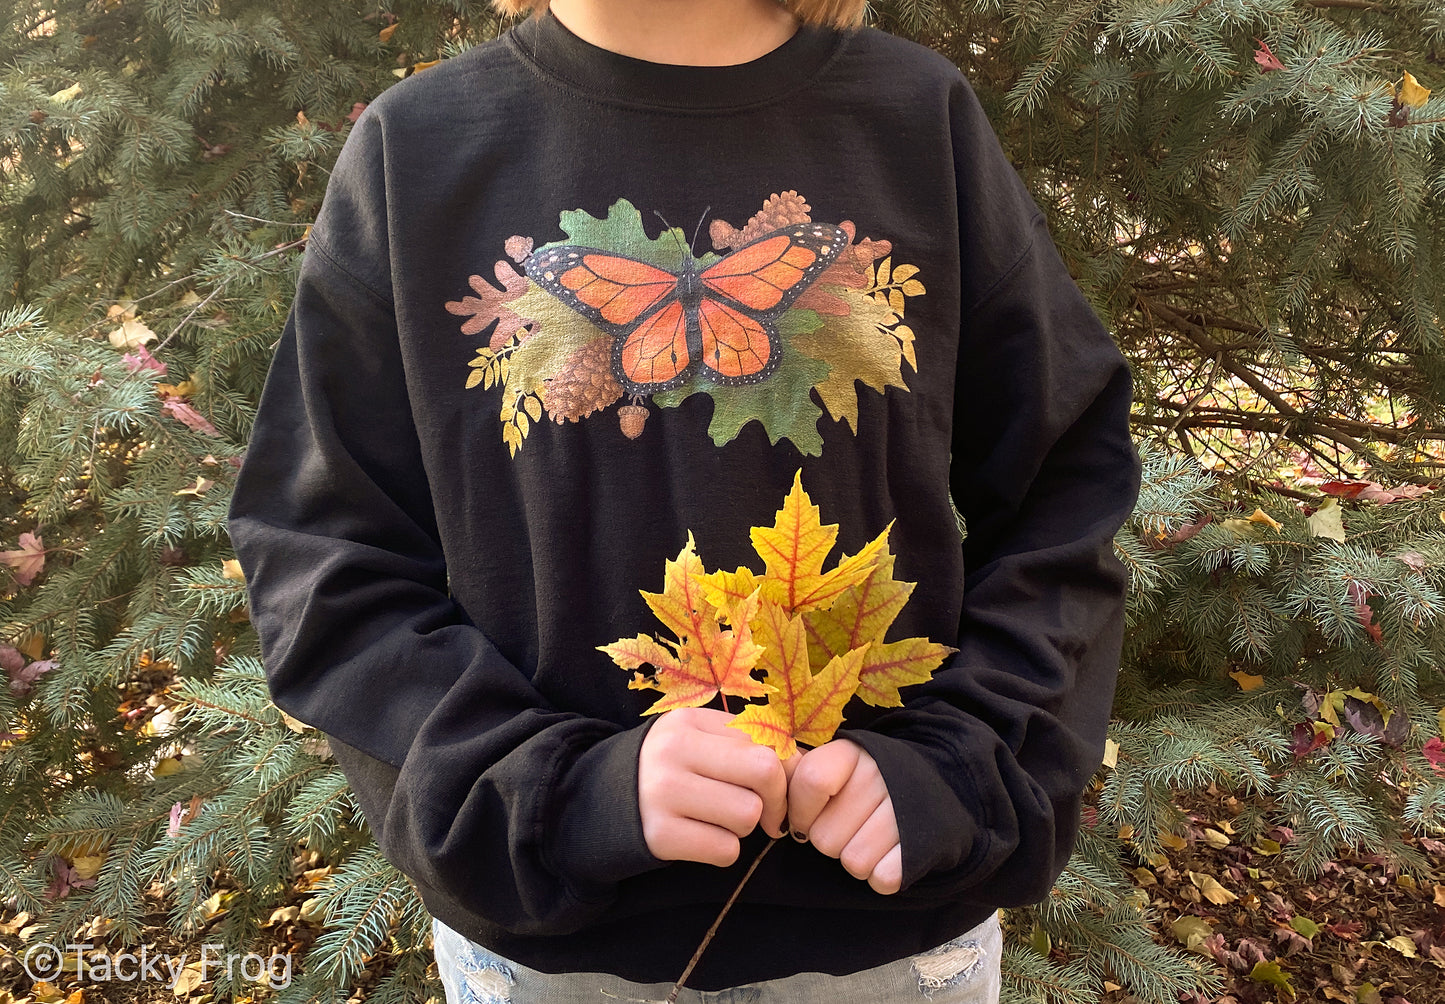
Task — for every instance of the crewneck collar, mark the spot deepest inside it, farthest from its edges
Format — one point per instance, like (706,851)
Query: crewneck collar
(553,50)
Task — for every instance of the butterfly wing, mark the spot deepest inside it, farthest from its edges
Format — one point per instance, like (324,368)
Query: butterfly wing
(737,347)
(629,299)
(746,292)
(654,356)
(611,290)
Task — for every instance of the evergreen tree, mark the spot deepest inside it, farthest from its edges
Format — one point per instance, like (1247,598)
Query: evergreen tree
(1264,239)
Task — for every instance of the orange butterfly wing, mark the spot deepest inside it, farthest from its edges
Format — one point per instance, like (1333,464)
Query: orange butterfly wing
(631,300)
(735,346)
(750,288)
(725,320)
(655,353)
(600,285)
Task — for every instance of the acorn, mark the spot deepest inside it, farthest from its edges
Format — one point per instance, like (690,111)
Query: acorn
(631,418)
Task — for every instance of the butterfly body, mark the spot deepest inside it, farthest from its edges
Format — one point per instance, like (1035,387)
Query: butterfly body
(666,324)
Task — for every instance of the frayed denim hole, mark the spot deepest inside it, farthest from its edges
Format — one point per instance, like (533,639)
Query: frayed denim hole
(947,965)
(485,978)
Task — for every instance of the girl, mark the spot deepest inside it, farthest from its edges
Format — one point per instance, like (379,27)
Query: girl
(623,274)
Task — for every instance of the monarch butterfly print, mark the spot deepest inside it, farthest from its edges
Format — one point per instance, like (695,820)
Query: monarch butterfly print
(666,324)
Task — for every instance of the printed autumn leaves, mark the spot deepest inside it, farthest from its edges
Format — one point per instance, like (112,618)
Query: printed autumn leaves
(816,635)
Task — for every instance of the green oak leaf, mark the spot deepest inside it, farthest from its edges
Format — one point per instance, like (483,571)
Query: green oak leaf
(781,404)
(621,232)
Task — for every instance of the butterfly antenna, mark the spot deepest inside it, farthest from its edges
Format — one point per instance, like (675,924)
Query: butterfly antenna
(698,229)
(669,228)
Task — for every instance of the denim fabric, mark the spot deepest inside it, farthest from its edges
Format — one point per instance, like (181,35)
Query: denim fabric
(962,971)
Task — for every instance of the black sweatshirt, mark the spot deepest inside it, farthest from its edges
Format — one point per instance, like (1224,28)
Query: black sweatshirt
(859,286)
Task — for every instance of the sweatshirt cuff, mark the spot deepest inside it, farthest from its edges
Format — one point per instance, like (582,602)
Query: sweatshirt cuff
(934,831)
(597,841)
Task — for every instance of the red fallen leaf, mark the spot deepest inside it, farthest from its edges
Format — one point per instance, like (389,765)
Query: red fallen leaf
(1434,751)
(1359,597)
(182,411)
(1266,59)
(12,660)
(1163,540)
(1306,740)
(1291,941)
(66,879)
(1350,930)
(1216,946)
(1373,491)
(1432,845)
(141,359)
(1414,559)
(28,561)
(1252,951)
(22,679)
(356,111)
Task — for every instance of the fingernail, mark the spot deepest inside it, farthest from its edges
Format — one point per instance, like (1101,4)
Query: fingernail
(801,838)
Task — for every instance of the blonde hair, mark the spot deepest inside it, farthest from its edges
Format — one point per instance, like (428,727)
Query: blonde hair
(830,13)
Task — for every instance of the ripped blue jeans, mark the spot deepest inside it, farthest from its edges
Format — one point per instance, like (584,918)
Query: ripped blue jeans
(962,971)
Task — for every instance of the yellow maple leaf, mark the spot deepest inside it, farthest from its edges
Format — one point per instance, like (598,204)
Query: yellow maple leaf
(707,659)
(183,389)
(804,708)
(793,550)
(724,589)
(898,664)
(861,614)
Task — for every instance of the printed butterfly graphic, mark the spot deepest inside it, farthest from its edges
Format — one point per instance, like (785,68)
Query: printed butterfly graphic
(666,324)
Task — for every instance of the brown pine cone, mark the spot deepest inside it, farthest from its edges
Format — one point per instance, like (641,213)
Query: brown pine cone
(780,210)
(583,385)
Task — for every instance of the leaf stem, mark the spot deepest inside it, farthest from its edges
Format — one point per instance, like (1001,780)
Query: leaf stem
(707,938)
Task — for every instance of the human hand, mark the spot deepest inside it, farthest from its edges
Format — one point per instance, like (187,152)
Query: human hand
(702,785)
(838,801)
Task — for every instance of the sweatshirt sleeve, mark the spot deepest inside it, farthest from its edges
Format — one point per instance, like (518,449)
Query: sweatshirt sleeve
(987,763)
(525,814)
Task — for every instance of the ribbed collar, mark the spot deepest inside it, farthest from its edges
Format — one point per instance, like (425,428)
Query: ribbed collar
(556,52)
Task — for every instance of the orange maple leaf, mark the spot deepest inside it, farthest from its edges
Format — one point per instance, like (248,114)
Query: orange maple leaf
(793,549)
(707,659)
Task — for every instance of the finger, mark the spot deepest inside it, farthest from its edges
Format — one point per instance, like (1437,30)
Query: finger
(713,721)
(677,839)
(874,839)
(848,811)
(746,765)
(819,775)
(716,802)
(887,876)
